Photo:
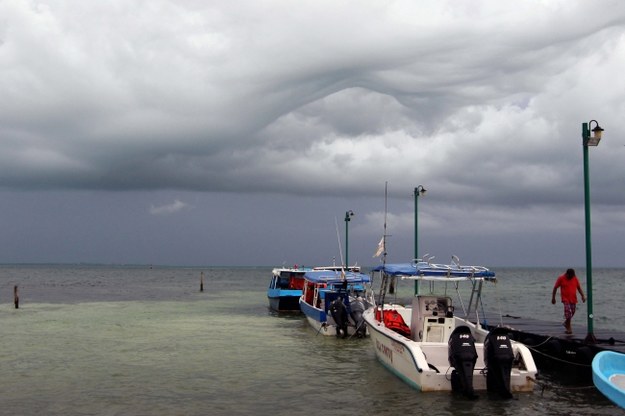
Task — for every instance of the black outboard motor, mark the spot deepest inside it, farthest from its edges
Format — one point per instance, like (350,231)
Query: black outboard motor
(498,357)
(358,308)
(462,356)
(339,314)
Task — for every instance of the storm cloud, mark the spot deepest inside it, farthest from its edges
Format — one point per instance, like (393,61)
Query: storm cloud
(314,106)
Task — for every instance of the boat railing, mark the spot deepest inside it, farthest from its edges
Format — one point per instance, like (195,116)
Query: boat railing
(452,267)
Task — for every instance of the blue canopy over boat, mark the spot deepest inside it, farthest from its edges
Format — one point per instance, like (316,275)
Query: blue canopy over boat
(427,271)
(334,276)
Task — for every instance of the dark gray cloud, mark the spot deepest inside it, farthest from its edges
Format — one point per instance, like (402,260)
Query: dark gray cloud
(482,102)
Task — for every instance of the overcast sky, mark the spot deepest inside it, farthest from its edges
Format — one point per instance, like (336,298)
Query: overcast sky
(196,132)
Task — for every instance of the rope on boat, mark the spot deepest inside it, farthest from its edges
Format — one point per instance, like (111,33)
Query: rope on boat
(485,321)
(545,386)
(542,386)
(534,349)
(356,328)
(541,344)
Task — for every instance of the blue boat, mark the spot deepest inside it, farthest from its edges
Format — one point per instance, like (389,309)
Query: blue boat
(334,301)
(287,284)
(285,288)
(608,375)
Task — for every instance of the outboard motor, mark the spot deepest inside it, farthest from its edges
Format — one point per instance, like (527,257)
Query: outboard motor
(498,357)
(462,356)
(339,314)
(358,308)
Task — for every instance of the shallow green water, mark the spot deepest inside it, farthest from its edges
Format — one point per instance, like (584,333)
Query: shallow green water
(139,341)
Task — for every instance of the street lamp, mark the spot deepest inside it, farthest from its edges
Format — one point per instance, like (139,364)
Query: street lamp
(587,140)
(348,216)
(418,191)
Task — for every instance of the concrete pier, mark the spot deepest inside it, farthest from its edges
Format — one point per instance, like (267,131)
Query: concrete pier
(553,350)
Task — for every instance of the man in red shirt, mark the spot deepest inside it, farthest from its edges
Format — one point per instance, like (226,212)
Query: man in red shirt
(569,286)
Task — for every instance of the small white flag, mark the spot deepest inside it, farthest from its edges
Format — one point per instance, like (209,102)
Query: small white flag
(380,248)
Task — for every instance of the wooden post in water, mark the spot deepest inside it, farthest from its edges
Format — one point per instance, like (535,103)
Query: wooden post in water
(202,282)
(16,297)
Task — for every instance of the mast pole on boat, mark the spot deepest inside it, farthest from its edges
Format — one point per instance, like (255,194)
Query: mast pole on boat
(338,238)
(385,278)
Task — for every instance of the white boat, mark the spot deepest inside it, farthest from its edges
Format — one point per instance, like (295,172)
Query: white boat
(433,346)
(334,300)
(608,375)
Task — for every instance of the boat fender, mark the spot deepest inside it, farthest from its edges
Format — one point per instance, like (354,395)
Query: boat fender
(584,355)
(553,348)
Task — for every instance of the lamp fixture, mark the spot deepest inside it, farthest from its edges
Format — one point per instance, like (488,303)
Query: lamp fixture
(596,134)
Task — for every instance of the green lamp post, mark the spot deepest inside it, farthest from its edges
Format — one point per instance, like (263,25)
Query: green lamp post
(348,216)
(587,141)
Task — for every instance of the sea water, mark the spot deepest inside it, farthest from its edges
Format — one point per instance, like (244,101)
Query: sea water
(117,340)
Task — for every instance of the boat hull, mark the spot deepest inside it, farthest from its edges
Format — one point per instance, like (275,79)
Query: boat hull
(407,360)
(608,375)
(284,300)
(322,322)
(285,288)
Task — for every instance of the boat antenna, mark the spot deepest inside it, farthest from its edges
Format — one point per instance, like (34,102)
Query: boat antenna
(385,214)
(338,238)
(385,277)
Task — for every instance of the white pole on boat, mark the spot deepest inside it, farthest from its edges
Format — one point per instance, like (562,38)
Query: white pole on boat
(384,281)
(418,191)
(338,238)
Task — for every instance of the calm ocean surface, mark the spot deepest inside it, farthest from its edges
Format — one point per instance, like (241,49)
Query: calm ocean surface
(103,340)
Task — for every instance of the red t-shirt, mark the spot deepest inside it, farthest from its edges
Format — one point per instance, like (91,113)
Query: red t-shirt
(568,288)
